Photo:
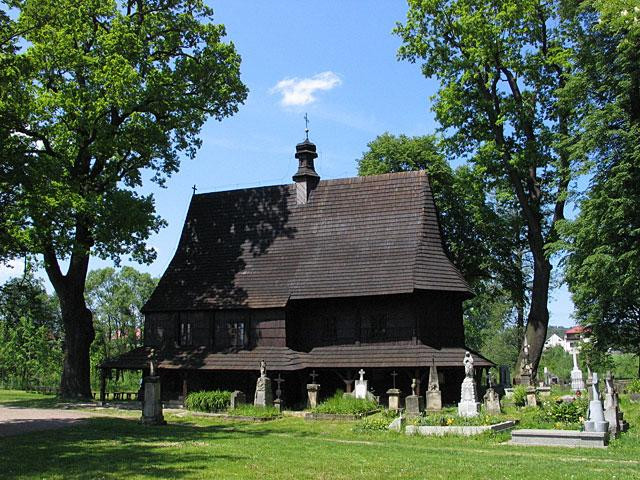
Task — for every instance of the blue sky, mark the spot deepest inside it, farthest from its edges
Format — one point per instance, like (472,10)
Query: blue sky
(336,61)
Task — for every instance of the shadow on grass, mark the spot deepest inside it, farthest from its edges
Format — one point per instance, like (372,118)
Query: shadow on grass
(45,402)
(104,447)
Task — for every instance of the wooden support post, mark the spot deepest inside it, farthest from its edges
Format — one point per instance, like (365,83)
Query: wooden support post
(185,386)
(103,387)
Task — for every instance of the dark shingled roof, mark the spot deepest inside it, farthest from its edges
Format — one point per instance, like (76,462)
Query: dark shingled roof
(357,236)
(372,355)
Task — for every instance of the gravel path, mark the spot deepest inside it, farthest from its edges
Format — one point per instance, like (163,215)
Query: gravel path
(15,420)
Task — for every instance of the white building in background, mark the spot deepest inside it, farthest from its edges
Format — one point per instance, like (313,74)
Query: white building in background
(576,335)
(556,341)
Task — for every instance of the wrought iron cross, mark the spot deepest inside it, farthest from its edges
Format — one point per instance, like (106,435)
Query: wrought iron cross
(306,125)
(313,376)
(278,380)
(194,188)
(394,374)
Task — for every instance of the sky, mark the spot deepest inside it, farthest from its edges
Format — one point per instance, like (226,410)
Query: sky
(333,60)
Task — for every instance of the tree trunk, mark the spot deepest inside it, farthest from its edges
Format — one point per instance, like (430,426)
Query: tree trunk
(78,336)
(76,317)
(538,319)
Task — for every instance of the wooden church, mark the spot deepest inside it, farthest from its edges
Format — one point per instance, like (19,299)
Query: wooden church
(322,277)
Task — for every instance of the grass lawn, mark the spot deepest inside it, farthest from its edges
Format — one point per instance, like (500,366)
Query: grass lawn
(204,447)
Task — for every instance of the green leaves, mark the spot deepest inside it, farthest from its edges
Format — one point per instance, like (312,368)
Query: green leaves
(112,88)
(603,243)
(115,298)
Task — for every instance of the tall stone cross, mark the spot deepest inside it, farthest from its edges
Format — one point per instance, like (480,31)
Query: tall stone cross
(361,373)
(278,380)
(394,374)
(313,376)
(574,352)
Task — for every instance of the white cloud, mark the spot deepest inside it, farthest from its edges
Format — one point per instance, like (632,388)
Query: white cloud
(300,91)
(12,268)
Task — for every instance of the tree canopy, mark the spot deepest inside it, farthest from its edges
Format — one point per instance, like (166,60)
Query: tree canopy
(501,67)
(603,243)
(30,333)
(116,298)
(111,93)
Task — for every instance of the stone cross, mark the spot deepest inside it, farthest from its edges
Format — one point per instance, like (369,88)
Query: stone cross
(263,368)
(594,387)
(394,374)
(361,373)
(278,380)
(414,385)
(313,376)
(609,383)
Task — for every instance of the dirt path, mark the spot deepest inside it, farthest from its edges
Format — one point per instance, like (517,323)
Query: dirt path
(15,420)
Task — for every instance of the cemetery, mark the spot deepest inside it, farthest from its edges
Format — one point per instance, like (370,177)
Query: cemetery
(236,439)
(445,286)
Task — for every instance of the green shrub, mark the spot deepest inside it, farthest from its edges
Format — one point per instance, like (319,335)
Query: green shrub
(378,422)
(248,410)
(566,412)
(346,405)
(452,420)
(634,386)
(208,401)
(519,397)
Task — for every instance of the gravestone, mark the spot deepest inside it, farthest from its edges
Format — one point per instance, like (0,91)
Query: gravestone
(596,422)
(526,367)
(237,398)
(394,399)
(468,406)
(577,383)
(505,376)
(612,412)
(414,404)
(278,401)
(361,386)
(433,396)
(152,404)
(312,391)
(264,394)
(491,399)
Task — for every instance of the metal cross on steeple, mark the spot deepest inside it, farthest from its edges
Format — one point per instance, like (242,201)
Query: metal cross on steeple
(194,188)
(306,125)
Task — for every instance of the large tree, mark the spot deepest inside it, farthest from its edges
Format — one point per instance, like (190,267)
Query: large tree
(113,92)
(501,67)
(603,265)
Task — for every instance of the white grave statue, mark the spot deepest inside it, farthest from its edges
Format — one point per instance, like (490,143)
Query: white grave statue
(361,386)
(577,383)
(596,422)
(468,406)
